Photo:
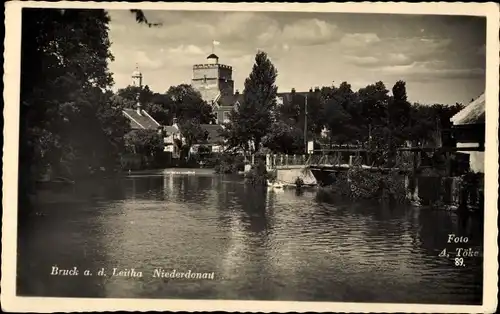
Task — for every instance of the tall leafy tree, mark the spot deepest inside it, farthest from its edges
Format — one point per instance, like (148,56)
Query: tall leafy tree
(373,102)
(193,133)
(253,118)
(68,122)
(337,121)
(144,142)
(399,110)
(130,93)
(186,103)
(284,138)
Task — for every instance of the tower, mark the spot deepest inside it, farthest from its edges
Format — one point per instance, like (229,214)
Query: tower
(137,77)
(137,82)
(213,79)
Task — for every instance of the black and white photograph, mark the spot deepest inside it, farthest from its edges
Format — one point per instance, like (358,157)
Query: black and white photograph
(205,156)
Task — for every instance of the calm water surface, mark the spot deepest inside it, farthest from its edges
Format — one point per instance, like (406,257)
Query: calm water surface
(262,245)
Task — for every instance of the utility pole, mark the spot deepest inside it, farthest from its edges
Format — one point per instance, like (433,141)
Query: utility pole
(305,124)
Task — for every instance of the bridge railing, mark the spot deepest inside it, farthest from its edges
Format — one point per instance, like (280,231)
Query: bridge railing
(284,160)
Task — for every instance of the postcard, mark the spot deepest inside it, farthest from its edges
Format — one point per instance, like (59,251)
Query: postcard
(262,157)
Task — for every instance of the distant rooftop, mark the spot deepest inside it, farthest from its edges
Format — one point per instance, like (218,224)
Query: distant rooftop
(473,113)
(212,56)
(230,100)
(214,133)
(140,121)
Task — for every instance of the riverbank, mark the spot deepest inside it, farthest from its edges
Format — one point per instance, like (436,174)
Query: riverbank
(463,193)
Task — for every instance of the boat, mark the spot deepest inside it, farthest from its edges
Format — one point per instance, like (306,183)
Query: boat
(274,185)
(58,182)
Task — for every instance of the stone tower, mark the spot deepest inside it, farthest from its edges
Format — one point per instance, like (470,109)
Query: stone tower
(137,77)
(137,82)
(212,79)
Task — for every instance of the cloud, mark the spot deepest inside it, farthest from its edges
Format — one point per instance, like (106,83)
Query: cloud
(369,50)
(308,49)
(359,40)
(391,59)
(363,61)
(311,32)
(424,71)
(188,49)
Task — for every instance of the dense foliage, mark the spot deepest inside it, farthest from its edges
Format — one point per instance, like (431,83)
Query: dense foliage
(362,184)
(252,120)
(182,102)
(372,117)
(70,123)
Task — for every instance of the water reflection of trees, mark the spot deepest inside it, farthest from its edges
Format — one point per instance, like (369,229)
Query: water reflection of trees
(375,220)
(69,235)
(144,187)
(436,225)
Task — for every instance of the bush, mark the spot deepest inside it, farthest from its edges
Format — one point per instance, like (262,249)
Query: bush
(327,194)
(258,174)
(228,164)
(360,183)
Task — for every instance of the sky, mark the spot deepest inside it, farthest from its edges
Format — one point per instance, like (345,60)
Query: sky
(441,58)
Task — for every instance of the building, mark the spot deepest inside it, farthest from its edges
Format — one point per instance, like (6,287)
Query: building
(215,83)
(469,132)
(174,139)
(139,118)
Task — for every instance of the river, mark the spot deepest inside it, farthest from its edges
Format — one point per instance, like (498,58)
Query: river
(260,245)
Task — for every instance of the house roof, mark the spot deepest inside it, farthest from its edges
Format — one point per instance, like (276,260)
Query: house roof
(170,129)
(287,97)
(230,100)
(214,135)
(140,121)
(474,113)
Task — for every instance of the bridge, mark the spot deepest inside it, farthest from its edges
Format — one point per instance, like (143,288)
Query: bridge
(290,167)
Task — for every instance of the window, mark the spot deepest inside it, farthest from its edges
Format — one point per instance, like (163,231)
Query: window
(225,116)
(279,101)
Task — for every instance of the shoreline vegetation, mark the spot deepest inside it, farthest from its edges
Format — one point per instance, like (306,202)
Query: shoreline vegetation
(72,124)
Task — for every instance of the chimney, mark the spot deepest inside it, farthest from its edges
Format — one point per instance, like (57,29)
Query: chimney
(237,92)
(293,90)
(316,89)
(174,121)
(139,109)
(310,90)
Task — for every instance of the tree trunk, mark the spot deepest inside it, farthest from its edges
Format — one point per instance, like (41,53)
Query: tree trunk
(257,144)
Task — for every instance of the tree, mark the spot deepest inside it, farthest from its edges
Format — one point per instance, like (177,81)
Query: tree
(64,66)
(186,103)
(289,111)
(144,142)
(193,133)
(284,138)
(253,118)
(422,124)
(235,135)
(337,121)
(315,117)
(399,110)
(372,103)
(130,93)
(140,18)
